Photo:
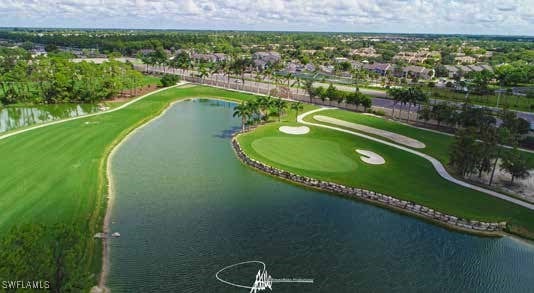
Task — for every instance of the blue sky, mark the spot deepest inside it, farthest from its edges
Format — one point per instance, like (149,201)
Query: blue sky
(506,17)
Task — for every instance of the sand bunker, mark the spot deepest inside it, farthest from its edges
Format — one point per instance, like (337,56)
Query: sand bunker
(294,129)
(401,139)
(371,157)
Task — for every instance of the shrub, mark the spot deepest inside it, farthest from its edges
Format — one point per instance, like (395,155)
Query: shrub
(379,112)
(169,80)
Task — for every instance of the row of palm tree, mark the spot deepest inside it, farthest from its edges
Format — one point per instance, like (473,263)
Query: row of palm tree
(406,96)
(260,109)
(237,67)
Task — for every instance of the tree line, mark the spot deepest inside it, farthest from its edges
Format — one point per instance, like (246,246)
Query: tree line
(484,140)
(49,80)
(332,94)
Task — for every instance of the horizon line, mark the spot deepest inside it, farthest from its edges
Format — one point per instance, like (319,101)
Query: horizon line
(259,31)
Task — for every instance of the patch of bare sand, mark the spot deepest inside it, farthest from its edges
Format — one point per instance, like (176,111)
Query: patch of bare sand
(398,138)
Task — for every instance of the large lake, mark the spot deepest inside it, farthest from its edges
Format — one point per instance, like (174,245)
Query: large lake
(186,208)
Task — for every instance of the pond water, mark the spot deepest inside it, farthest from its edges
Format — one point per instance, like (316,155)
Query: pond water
(186,208)
(14,117)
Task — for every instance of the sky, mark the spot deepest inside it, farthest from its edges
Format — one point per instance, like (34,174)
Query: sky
(503,17)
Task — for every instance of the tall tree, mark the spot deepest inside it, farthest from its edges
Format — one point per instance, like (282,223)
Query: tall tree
(242,111)
(515,164)
(298,106)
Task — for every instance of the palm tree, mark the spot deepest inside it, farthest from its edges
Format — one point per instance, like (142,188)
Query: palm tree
(253,110)
(288,78)
(297,107)
(298,83)
(268,73)
(202,73)
(357,74)
(396,94)
(242,111)
(258,77)
(308,85)
(280,106)
(214,71)
(277,81)
(264,104)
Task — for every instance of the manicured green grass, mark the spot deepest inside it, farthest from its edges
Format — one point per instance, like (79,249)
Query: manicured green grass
(404,175)
(150,80)
(287,150)
(57,173)
(437,144)
(519,103)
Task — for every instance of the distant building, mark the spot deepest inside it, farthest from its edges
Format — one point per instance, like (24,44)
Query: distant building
(380,68)
(215,57)
(309,67)
(326,69)
(146,51)
(417,57)
(262,60)
(487,67)
(340,59)
(464,69)
(293,67)
(311,52)
(452,71)
(476,68)
(465,59)
(368,52)
(418,72)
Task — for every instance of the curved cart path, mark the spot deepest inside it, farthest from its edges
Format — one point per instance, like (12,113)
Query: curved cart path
(437,164)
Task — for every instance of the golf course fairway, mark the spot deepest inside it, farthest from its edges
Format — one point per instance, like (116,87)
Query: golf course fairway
(57,173)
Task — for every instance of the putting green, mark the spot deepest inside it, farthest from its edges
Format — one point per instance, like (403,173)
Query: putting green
(288,151)
(331,156)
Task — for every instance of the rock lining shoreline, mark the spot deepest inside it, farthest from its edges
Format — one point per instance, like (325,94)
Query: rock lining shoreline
(472,226)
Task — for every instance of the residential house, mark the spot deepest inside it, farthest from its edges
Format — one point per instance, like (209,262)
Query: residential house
(418,72)
(476,68)
(215,57)
(309,67)
(380,68)
(262,60)
(465,59)
(451,70)
(368,52)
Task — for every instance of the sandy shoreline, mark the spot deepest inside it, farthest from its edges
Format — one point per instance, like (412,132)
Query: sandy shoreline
(101,287)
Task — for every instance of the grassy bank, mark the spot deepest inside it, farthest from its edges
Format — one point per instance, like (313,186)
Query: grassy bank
(518,103)
(330,155)
(56,174)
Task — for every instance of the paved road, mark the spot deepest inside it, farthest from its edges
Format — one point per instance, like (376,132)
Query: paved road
(379,97)
(437,164)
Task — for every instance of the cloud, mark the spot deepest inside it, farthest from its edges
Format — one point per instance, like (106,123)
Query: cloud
(434,16)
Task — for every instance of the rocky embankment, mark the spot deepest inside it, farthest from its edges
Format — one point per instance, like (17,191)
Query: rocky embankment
(473,226)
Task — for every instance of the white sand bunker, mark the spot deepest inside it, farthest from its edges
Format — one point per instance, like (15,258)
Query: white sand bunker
(371,157)
(401,139)
(294,129)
